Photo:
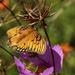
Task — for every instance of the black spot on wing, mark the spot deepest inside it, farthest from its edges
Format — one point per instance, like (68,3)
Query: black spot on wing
(19,32)
(19,50)
(37,43)
(24,43)
(39,38)
(24,27)
(32,40)
(34,49)
(37,49)
(27,27)
(37,35)
(15,34)
(30,50)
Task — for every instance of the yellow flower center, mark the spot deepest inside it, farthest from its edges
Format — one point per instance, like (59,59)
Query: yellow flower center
(41,69)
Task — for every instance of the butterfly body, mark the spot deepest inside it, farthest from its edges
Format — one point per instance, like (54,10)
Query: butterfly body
(26,39)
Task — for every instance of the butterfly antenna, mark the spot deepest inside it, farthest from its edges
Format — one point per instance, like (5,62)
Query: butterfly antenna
(7,51)
(11,12)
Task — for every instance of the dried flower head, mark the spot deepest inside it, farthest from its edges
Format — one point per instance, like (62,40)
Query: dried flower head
(36,13)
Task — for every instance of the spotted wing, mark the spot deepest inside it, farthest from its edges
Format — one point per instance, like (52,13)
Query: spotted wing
(15,34)
(37,43)
(14,31)
(34,42)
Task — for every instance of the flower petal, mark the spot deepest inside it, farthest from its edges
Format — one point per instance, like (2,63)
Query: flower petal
(47,57)
(48,71)
(36,61)
(58,49)
(21,67)
(58,58)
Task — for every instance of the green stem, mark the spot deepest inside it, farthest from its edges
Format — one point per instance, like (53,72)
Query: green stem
(11,13)
(50,48)
(7,51)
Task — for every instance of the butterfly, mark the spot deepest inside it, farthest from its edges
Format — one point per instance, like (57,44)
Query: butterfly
(25,39)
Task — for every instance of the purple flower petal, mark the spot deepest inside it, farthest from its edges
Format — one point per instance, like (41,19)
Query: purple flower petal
(58,61)
(31,59)
(47,57)
(35,60)
(21,68)
(48,71)
(58,49)
(58,57)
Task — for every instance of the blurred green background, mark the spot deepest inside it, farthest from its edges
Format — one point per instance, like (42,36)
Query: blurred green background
(60,28)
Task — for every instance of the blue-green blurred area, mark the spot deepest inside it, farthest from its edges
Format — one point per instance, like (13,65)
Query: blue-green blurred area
(60,29)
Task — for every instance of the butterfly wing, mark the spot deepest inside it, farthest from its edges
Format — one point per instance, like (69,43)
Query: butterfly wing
(21,46)
(37,43)
(34,42)
(14,31)
(16,34)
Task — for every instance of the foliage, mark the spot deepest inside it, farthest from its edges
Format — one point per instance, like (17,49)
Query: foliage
(60,28)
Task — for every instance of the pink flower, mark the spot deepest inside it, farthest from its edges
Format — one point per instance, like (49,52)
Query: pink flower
(44,68)
(21,68)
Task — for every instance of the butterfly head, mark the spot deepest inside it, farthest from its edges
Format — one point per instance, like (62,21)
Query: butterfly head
(35,28)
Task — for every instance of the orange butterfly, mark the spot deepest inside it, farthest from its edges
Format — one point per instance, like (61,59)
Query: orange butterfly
(26,39)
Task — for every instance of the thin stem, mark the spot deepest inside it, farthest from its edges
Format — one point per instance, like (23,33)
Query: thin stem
(7,51)
(8,21)
(50,48)
(41,59)
(11,10)
(9,67)
(36,55)
(12,13)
